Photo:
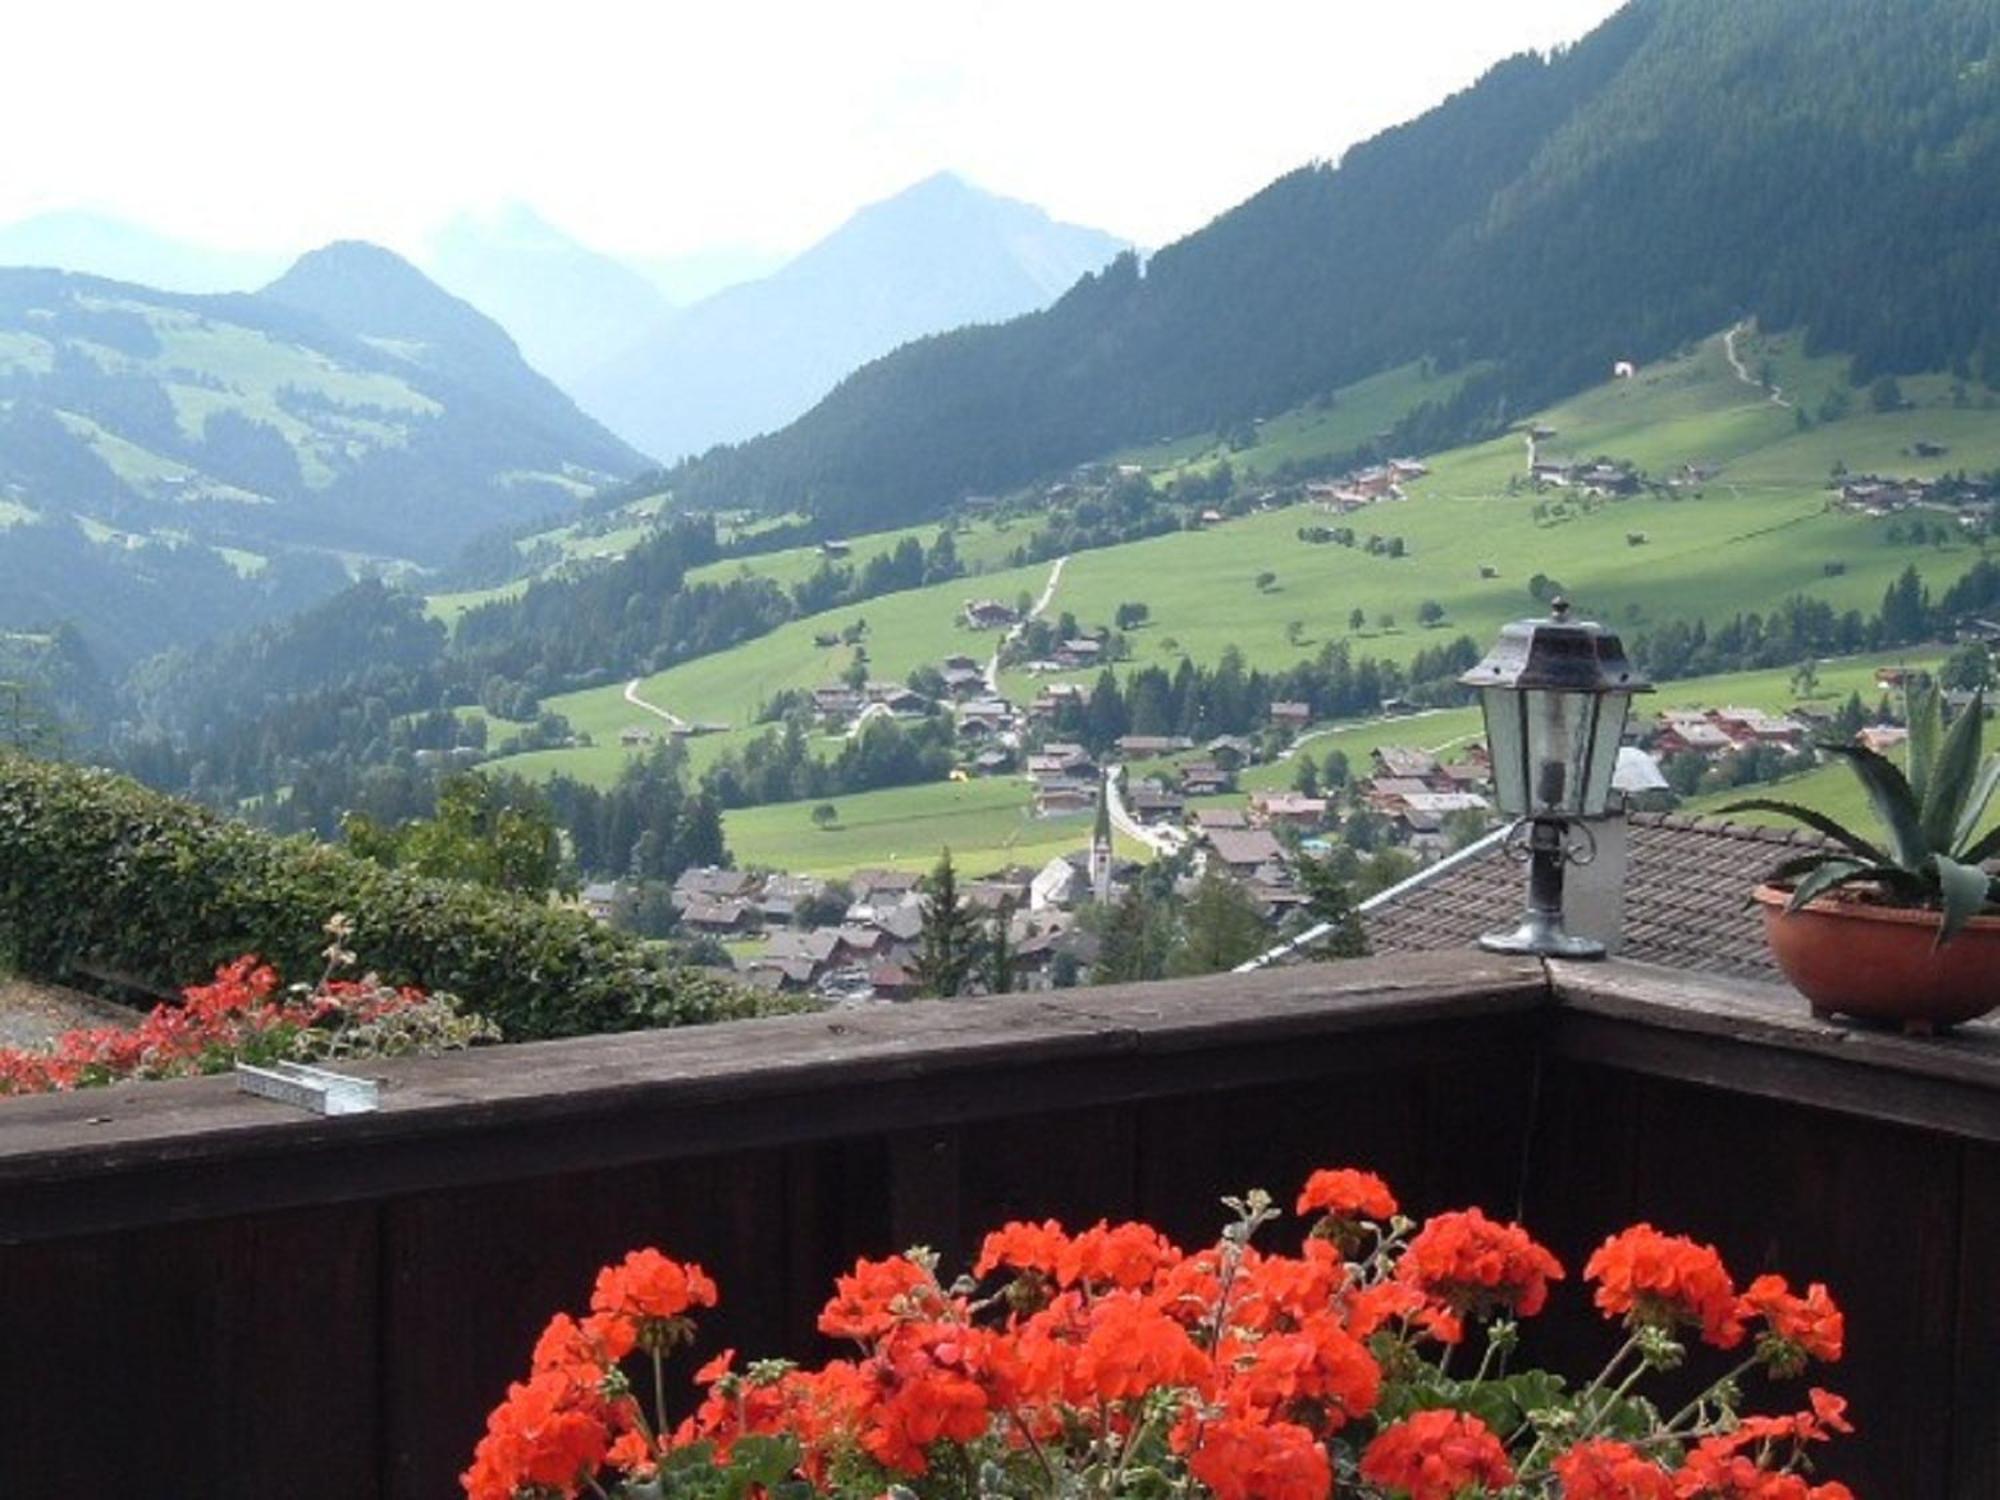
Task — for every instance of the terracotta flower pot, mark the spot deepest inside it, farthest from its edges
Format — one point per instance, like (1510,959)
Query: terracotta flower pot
(1856,957)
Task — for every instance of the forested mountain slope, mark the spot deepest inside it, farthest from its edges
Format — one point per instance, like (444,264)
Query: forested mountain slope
(1827,164)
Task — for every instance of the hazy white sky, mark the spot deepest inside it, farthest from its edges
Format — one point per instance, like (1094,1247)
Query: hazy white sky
(659,128)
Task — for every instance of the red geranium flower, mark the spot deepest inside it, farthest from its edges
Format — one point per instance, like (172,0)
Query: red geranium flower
(1605,1469)
(1469,1264)
(1808,1327)
(539,1437)
(1347,1194)
(870,1299)
(1120,1255)
(1663,1280)
(1437,1455)
(1243,1459)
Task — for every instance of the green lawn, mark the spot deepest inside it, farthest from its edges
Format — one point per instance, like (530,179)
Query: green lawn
(986,824)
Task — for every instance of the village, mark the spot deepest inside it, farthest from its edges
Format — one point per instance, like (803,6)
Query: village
(857,940)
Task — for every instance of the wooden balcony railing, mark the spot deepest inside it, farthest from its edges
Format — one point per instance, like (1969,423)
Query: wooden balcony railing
(206,1293)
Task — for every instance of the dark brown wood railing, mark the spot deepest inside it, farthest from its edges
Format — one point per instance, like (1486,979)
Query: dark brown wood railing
(205,1293)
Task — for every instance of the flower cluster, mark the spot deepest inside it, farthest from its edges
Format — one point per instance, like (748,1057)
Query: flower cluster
(245,1014)
(1109,1361)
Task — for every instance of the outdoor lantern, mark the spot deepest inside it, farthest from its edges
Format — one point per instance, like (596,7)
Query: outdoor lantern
(1554,694)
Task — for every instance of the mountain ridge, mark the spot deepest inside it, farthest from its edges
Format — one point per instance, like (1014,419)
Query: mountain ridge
(940,254)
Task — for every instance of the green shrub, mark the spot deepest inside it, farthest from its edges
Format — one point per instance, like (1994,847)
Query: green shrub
(100,874)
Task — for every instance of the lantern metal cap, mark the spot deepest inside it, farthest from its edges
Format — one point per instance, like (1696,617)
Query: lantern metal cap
(1560,655)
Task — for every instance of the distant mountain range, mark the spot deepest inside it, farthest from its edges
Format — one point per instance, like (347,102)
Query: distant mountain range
(166,458)
(937,256)
(677,353)
(99,245)
(570,308)
(1831,165)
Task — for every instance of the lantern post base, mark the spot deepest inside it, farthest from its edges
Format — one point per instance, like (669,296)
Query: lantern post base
(1540,938)
(1541,932)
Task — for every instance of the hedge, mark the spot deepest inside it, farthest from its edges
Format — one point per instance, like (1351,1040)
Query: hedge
(101,875)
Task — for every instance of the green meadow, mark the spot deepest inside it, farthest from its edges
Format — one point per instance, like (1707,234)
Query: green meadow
(987,824)
(1757,530)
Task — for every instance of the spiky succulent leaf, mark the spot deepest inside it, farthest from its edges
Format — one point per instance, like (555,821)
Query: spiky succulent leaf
(1913,890)
(1895,804)
(1985,847)
(1965,889)
(1796,866)
(1815,819)
(1976,802)
(1951,777)
(1830,873)
(1926,714)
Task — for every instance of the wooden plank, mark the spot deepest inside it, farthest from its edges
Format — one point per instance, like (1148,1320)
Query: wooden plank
(924,1198)
(1872,1210)
(1580,1185)
(1754,1060)
(1670,1000)
(477,1273)
(235,1357)
(1975,1384)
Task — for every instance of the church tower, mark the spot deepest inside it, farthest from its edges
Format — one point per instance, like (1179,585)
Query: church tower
(1100,842)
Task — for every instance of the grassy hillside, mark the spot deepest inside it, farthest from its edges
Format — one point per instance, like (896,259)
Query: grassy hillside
(1755,533)
(157,446)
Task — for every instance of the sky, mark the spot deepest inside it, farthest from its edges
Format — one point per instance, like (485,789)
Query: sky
(655,129)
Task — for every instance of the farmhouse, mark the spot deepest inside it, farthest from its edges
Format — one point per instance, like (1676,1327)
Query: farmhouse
(989,614)
(1402,761)
(1289,810)
(1288,715)
(1243,853)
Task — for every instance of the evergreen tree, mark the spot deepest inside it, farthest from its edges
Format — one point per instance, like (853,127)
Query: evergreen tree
(949,947)
(1220,928)
(1132,942)
(1328,901)
(999,963)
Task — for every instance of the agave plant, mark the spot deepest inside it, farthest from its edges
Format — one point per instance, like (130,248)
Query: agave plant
(1933,850)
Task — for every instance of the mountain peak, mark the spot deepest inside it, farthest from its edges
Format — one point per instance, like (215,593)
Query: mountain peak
(370,292)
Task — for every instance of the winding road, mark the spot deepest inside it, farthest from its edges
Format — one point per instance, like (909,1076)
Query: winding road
(1164,842)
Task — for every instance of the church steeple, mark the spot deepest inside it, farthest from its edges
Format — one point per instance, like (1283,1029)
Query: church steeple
(1100,841)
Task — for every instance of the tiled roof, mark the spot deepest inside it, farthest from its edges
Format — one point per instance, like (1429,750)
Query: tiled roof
(1685,888)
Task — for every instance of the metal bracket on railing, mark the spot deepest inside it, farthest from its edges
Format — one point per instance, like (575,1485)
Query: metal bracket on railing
(319,1090)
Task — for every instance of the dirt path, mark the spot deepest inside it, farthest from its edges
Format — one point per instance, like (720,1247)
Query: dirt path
(1775,394)
(632,697)
(1034,611)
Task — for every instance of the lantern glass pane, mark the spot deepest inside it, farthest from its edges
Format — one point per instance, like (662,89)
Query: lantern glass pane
(1559,744)
(1610,731)
(1506,744)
